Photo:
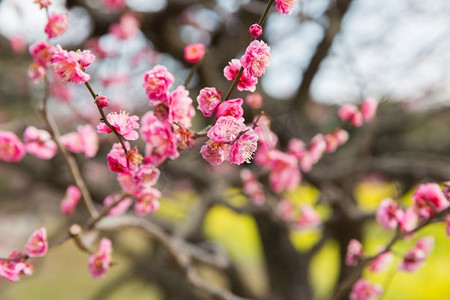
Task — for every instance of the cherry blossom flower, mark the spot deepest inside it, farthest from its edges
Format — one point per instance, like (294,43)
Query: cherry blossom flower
(387,213)
(208,100)
(39,143)
(215,152)
(246,82)
(369,109)
(43,3)
(284,173)
(256,58)
(351,114)
(11,148)
(121,207)
(100,262)
(66,65)
(354,252)
(122,123)
(417,255)
(194,52)
(113,5)
(12,269)
(429,198)
(157,82)
(255,30)
(127,27)
(37,244)
(181,110)
(147,202)
(232,107)
(36,72)
(117,159)
(243,148)
(252,187)
(84,140)
(57,25)
(226,129)
(70,200)
(254,100)
(308,217)
(381,262)
(364,290)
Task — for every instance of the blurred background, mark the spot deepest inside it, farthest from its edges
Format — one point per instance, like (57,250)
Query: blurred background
(324,54)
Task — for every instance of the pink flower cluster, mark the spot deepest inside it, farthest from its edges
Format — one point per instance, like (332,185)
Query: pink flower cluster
(70,65)
(42,53)
(417,255)
(354,252)
(194,52)
(36,246)
(302,216)
(252,187)
(100,262)
(364,290)
(39,143)
(357,116)
(85,140)
(11,148)
(123,123)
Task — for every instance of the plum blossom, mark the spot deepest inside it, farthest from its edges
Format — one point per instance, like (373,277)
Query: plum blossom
(102,101)
(243,148)
(286,210)
(208,100)
(308,217)
(429,198)
(147,202)
(255,30)
(285,6)
(335,139)
(113,5)
(145,177)
(43,3)
(17,43)
(100,262)
(11,148)
(381,262)
(246,81)
(364,290)
(226,129)
(194,52)
(127,27)
(121,207)
(122,123)
(215,152)
(284,173)
(407,219)
(368,109)
(57,25)
(84,140)
(417,255)
(39,143)
(232,107)
(354,252)
(36,72)
(70,200)
(181,110)
(256,58)
(66,65)
(351,114)
(252,187)
(41,52)
(117,159)
(157,82)
(254,100)
(37,244)
(386,213)
(12,269)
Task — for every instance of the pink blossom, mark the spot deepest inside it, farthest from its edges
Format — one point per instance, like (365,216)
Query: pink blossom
(387,213)
(252,187)
(86,58)
(243,148)
(36,72)
(226,129)
(246,82)
(57,25)
(286,210)
(429,198)
(70,201)
(194,52)
(102,101)
(351,114)
(17,44)
(117,159)
(284,173)
(369,109)
(147,202)
(37,244)
(60,90)
(417,255)
(215,152)
(122,123)
(39,143)
(256,58)
(11,148)
(157,82)
(12,269)
(113,5)
(181,110)
(85,140)
(125,180)
(100,261)
(255,30)
(41,52)
(121,207)
(160,139)
(364,290)
(127,27)
(381,262)
(145,177)
(335,139)
(66,65)
(208,100)
(407,219)
(354,252)
(308,217)
(231,107)
(43,3)
(317,148)
(94,45)
(254,100)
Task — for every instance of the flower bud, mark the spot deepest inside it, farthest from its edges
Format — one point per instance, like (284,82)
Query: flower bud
(255,30)
(102,101)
